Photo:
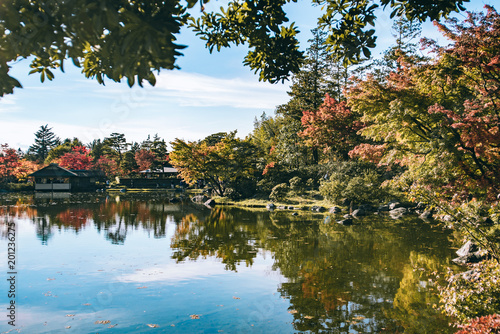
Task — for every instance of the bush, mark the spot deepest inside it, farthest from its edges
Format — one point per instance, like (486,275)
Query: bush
(474,293)
(296,185)
(363,188)
(482,325)
(279,192)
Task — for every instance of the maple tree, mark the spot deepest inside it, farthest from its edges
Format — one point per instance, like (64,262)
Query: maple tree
(223,165)
(332,127)
(440,119)
(107,165)
(144,159)
(9,162)
(79,158)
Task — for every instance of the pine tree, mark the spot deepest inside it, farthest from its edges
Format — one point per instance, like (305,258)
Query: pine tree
(45,139)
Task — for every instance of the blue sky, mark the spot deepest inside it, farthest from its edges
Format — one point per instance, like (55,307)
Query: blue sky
(210,93)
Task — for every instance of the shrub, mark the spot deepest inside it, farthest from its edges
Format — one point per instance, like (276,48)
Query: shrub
(296,185)
(482,325)
(279,192)
(363,188)
(474,293)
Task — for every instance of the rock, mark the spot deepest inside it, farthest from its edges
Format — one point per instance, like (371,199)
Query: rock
(427,214)
(358,213)
(486,221)
(366,207)
(470,258)
(200,199)
(448,218)
(468,248)
(210,203)
(318,208)
(345,222)
(271,206)
(398,213)
(395,205)
(383,208)
(335,210)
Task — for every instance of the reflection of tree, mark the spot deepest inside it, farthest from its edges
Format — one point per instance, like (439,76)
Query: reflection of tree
(219,234)
(416,295)
(344,279)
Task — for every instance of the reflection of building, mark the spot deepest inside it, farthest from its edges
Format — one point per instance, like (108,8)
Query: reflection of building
(165,177)
(56,178)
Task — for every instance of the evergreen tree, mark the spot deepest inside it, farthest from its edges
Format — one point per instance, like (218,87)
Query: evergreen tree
(45,140)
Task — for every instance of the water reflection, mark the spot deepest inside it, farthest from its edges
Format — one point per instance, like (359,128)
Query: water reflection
(375,276)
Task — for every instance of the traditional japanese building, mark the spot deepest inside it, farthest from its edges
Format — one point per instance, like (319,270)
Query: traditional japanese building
(56,178)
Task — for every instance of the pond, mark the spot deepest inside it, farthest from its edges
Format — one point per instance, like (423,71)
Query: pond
(99,263)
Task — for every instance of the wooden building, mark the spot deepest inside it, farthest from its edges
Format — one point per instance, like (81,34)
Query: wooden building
(166,177)
(56,178)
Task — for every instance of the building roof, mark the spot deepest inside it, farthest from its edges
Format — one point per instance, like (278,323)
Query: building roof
(53,170)
(160,170)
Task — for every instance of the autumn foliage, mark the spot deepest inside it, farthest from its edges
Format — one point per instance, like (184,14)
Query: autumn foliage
(78,158)
(332,128)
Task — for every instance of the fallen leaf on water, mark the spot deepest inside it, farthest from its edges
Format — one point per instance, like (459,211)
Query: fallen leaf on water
(292,311)
(236,297)
(153,325)
(102,322)
(194,316)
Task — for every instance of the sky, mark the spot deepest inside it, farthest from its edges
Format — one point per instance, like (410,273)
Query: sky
(210,93)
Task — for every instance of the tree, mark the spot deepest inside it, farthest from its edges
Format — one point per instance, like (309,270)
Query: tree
(144,159)
(107,165)
(133,39)
(66,147)
(9,162)
(45,140)
(440,120)
(224,165)
(79,158)
(332,127)
(115,145)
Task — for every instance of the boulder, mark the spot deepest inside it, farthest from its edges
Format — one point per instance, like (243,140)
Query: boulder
(383,208)
(468,248)
(470,258)
(211,203)
(358,213)
(345,222)
(270,206)
(469,253)
(395,205)
(318,208)
(199,199)
(398,212)
(335,209)
(427,214)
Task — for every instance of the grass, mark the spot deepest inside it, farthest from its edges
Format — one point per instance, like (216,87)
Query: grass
(306,200)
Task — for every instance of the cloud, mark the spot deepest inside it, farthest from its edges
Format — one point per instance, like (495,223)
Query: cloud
(197,90)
